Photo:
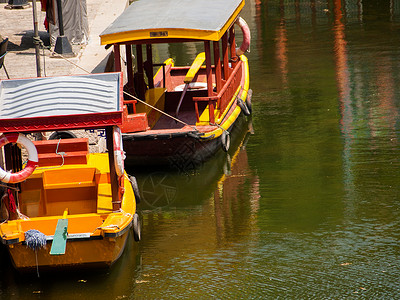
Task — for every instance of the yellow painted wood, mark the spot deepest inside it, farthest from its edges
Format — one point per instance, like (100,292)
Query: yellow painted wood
(85,216)
(156,98)
(204,117)
(167,62)
(170,33)
(104,198)
(194,68)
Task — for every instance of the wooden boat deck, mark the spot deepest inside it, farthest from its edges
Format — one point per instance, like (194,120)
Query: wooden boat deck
(50,192)
(165,122)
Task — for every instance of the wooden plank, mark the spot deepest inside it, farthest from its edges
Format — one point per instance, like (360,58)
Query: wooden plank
(60,236)
(194,68)
(63,145)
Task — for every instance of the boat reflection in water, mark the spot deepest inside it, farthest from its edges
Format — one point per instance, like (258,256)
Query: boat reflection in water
(214,197)
(188,214)
(187,182)
(201,211)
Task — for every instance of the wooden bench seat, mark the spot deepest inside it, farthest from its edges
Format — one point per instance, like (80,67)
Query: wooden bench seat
(63,151)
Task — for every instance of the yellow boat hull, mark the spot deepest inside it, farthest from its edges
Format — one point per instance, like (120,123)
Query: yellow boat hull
(86,253)
(96,235)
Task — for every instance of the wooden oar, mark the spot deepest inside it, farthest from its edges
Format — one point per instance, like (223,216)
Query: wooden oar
(194,68)
(60,236)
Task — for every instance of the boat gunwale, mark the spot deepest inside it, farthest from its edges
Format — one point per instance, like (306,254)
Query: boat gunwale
(200,132)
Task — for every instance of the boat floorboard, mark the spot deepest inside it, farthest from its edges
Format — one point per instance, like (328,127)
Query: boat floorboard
(165,122)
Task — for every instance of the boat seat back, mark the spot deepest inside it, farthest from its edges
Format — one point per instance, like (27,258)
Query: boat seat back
(62,151)
(156,98)
(65,178)
(73,188)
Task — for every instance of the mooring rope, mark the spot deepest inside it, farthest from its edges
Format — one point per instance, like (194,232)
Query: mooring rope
(58,153)
(160,111)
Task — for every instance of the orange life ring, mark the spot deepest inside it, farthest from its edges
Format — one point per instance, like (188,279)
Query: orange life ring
(246,36)
(119,154)
(33,159)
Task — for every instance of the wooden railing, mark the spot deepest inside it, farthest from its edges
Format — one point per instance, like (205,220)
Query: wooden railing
(223,98)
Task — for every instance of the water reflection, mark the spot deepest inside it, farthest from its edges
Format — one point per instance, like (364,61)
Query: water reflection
(236,198)
(281,45)
(187,239)
(328,172)
(343,82)
(368,105)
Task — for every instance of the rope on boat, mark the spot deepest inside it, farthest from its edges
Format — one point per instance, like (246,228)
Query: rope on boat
(58,153)
(220,127)
(21,215)
(13,205)
(9,187)
(55,54)
(160,111)
(107,227)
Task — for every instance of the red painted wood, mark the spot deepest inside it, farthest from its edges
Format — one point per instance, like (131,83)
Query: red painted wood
(225,54)
(209,79)
(71,151)
(117,58)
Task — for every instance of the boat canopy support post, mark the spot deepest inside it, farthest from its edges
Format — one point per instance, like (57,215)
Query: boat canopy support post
(129,67)
(117,58)
(114,181)
(225,53)
(130,85)
(207,50)
(149,65)
(232,44)
(140,72)
(13,158)
(218,68)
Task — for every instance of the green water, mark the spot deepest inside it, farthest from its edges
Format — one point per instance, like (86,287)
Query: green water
(306,205)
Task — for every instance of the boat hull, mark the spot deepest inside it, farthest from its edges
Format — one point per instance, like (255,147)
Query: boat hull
(94,238)
(188,146)
(175,151)
(98,253)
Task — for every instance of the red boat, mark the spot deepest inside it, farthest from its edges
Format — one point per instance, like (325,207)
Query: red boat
(180,114)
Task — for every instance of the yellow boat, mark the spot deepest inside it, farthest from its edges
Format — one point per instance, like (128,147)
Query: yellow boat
(180,114)
(65,207)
